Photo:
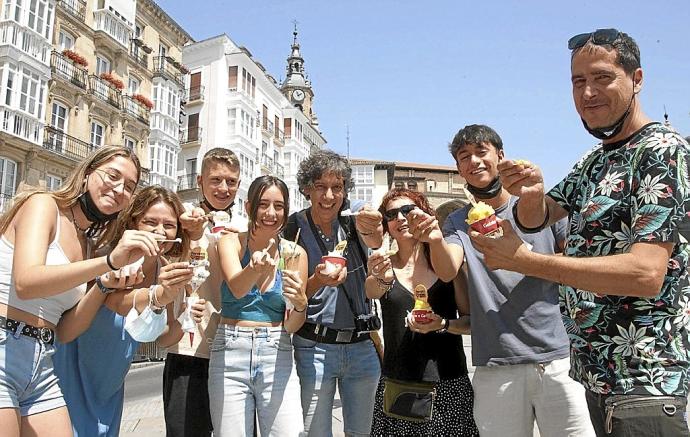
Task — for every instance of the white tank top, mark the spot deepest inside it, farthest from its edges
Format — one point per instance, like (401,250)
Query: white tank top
(47,308)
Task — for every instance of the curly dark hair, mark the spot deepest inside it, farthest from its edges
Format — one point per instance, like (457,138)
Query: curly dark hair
(322,162)
(418,199)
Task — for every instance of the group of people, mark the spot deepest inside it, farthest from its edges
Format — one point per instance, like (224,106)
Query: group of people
(578,310)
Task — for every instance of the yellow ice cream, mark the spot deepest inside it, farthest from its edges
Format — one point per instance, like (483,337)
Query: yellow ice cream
(421,305)
(522,162)
(478,212)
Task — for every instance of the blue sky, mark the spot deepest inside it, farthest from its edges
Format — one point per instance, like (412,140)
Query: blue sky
(406,75)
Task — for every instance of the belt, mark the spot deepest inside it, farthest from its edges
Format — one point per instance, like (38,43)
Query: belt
(44,335)
(324,334)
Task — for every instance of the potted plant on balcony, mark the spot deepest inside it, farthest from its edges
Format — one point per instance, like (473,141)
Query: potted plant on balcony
(114,81)
(75,57)
(143,100)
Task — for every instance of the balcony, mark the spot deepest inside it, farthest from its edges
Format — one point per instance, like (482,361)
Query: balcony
(138,56)
(62,144)
(162,67)
(76,8)
(135,109)
(280,171)
(145,178)
(266,163)
(195,94)
(279,137)
(190,135)
(21,125)
(24,39)
(267,127)
(105,91)
(117,31)
(187,182)
(64,68)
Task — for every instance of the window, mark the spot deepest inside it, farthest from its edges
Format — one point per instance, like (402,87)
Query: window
(363,174)
(58,117)
(412,185)
(10,84)
(102,65)
(399,185)
(31,94)
(232,114)
(364,194)
(8,178)
(132,85)
(232,78)
(53,182)
(248,83)
(130,143)
(163,50)
(163,157)
(65,40)
(97,131)
(246,124)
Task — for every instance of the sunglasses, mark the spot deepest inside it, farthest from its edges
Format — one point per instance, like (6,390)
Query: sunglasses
(598,37)
(392,214)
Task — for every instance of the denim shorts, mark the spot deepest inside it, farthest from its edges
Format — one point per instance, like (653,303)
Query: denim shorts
(27,378)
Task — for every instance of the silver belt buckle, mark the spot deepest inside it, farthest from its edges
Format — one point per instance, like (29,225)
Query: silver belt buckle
(344,336)
(46,335)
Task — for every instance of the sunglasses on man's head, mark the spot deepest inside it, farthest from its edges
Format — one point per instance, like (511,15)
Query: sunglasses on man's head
(599,37)
(392,214)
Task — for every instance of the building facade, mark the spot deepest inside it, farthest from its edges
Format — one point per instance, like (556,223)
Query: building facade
(83,74)
(235,103)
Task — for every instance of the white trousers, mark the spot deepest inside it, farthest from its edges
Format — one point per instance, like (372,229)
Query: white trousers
(508,399)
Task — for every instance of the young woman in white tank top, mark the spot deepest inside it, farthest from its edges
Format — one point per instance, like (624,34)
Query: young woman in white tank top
(45,260)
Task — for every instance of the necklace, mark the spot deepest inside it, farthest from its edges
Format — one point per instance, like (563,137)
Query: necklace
(322,235)
(74,221)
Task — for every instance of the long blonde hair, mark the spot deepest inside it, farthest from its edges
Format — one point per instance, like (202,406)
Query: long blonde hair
(68,194)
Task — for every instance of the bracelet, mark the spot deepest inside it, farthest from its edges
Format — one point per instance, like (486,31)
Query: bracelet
(305,308)
(383,285)
(444,327)
(153,298)
(103,288)
(110,263)
(525,229)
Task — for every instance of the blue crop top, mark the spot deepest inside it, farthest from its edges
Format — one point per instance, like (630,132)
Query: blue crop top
(256,306)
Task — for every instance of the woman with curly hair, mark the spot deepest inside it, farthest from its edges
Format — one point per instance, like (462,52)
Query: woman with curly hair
(418,350)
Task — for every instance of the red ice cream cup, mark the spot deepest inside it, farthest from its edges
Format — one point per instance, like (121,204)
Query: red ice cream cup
(334,259)
(421,316)
(486,225)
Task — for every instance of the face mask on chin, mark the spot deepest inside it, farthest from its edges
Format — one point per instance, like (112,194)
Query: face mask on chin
(490,191)
(98,219)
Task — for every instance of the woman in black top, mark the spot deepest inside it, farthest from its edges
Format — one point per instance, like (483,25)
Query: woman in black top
(415,352)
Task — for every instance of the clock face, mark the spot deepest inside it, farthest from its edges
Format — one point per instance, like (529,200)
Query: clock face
(298,95)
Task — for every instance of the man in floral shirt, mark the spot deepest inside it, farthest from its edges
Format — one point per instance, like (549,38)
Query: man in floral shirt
(625,293)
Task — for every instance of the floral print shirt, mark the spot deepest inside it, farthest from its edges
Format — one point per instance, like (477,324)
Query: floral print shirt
(617,195)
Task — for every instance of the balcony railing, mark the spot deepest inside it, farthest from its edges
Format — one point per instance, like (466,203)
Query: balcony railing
(164,68)
(64,68)
(138,55)
(195,93)
(135,109)
(267,162)
(187,182)
(59,142)
(279,137)
(105,91)
(190,135)
(5,202)
(280,171)
(267,127)
(106,21)
(77,8)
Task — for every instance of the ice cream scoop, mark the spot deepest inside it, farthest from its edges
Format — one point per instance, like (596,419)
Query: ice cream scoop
(482,218)
(422,310)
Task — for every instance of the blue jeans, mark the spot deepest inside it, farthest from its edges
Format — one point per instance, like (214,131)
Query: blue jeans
(354,367)
(27,377)
(252,370)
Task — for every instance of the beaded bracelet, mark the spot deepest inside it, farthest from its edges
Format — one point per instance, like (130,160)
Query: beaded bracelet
(383,285)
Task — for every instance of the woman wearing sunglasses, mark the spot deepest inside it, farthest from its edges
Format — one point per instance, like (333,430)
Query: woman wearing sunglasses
(252,372)
(415,352)
(93,381)
(46,258)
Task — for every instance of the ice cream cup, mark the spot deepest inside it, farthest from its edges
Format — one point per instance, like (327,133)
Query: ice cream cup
(487,225)
(421,315)
(221,226)
(332,262)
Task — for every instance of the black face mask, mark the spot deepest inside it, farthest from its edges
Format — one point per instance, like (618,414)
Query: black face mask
(94,215)
(209,207)
(490,191)
(606,133)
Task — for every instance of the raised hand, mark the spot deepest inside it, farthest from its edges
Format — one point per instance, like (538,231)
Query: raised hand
(193,222)
(522,179)
(132,246)
(379,266)
(424,227)
(368,221)
(173,278)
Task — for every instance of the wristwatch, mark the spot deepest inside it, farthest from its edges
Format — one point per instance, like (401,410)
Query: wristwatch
(444,326)
(103,288)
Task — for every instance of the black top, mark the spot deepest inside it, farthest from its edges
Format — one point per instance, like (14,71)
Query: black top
(412,356)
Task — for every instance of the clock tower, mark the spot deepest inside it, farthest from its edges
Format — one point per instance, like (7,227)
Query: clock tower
(296,86)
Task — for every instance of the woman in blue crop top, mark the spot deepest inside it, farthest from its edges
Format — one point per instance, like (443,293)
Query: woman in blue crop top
(46,258)
(251,370)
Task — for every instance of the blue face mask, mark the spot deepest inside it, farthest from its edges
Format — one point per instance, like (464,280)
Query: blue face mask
(147,326)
